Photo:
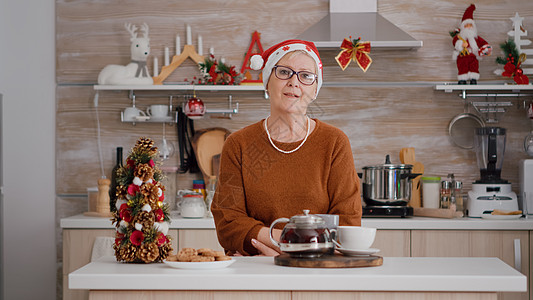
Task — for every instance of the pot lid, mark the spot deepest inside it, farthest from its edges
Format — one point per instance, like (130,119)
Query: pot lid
(307,218)
(390,167)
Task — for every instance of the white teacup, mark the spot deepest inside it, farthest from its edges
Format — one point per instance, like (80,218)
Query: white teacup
(356,237)
(157,111)
(130,113)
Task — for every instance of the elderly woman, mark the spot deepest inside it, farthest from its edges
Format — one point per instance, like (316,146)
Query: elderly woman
(285,163)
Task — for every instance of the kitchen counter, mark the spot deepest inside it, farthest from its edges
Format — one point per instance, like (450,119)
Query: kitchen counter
(397,275)
(410,223)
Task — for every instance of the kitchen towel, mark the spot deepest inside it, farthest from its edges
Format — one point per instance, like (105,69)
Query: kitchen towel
(103,246)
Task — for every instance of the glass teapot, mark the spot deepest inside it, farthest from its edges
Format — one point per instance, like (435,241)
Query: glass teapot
(304,235)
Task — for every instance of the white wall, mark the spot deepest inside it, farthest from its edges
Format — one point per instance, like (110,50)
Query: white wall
(27,81)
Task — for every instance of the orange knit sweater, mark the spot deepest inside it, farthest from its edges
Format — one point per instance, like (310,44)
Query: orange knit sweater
(258,184)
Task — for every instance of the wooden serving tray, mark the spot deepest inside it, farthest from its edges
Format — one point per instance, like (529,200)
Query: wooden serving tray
(329,261)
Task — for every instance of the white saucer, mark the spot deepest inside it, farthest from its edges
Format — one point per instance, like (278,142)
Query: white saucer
(500,217)
(357,252)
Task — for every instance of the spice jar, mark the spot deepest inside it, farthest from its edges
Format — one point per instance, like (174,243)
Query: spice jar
(445,194)
(430,192)
(458,195)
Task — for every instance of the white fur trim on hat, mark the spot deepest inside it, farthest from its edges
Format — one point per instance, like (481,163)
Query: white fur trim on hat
(256,62)
(275,56)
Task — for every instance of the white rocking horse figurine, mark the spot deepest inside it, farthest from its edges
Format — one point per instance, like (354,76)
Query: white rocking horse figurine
(136,71)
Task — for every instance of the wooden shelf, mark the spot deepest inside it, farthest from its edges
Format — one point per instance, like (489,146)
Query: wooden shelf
(179,87)
(490,90)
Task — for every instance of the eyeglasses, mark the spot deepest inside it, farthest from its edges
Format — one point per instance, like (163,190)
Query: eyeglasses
(285,73)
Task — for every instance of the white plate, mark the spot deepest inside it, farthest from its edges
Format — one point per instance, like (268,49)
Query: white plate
(357,252)
(199,265)
(500,217)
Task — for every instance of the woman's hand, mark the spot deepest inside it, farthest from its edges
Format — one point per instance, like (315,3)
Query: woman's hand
(263,243)
(264,250)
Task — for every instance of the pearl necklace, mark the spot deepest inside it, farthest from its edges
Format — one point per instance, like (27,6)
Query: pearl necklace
(290,151)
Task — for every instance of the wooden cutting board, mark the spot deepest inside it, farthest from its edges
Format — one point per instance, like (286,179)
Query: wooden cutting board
(407,156)
(207,143)
(329,261)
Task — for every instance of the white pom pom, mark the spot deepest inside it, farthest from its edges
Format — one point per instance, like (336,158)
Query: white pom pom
(138,226)
(146,208)
(119,203)
(161,227)
(137,181)
(124,223)
(148,181)
(159,193)
(256,62)
(498,72)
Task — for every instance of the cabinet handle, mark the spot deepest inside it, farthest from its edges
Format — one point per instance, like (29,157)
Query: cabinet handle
(517,255)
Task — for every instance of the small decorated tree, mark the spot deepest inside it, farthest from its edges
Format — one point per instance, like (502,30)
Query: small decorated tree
(141,218)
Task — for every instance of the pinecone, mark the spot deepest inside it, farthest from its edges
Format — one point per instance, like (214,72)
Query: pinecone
(145,145)
(165,250)
(150,193)
(144,172)
(127,253)
(146,219)
(148,252)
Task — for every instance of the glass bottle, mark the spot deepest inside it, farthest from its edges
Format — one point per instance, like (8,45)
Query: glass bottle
(445,194)
(113,188)
(458,192)
(199,187)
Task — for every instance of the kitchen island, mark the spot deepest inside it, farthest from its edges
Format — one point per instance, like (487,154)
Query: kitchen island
(509,240)
(260,278)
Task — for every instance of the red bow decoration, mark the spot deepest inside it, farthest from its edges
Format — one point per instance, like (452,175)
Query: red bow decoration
(510,70)
(354,50)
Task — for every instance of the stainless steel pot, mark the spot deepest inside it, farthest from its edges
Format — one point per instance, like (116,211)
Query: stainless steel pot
(387,184)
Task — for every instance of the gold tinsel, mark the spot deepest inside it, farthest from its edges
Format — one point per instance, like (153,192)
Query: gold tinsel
(121,192)
(144,172)
(146,219)
(148,252)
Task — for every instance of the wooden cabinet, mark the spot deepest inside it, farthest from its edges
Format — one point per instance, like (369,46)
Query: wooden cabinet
(77,251)
(393,243)
(78,245)
(510,246)
(198,238)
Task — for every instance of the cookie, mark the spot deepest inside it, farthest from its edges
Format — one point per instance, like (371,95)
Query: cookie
(206,252)
(221,258)
(202,258)
(219,253)
(185,257)
(172,258)
(188,251)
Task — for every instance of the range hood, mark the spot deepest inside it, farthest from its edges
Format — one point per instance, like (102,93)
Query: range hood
(357,18)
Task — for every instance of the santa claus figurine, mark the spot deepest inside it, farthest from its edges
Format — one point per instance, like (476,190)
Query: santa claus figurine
(469,48)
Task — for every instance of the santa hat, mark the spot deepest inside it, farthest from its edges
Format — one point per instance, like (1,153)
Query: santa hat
(272,55)
(468,16)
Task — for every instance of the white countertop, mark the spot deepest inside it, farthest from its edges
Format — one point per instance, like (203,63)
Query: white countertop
(422,223)
(260,273)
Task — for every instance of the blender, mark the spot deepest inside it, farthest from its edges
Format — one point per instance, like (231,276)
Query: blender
(490,192)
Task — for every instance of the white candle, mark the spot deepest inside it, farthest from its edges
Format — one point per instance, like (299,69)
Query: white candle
(178,45)
(200,45)
(156,67)
(189,38)
(167,59)
(212,51)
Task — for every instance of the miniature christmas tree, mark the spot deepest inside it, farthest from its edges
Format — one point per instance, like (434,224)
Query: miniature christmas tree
(141,218)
